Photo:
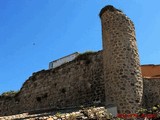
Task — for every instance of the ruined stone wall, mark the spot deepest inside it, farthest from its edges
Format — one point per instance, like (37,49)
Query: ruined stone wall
(80,82)
(122,73)
(76,83)
(109,77)
(151,95)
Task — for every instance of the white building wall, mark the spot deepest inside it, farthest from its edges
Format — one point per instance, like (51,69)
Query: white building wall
(63,60)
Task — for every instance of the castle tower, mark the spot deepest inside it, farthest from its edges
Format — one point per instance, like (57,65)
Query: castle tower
(123,80)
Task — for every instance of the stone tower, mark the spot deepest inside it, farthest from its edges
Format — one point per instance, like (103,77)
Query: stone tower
(122,73)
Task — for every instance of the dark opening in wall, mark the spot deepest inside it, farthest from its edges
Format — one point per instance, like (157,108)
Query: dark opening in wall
(63,90)
(35,85)
(17,101)
(38,99)
(88,62)
(45,95)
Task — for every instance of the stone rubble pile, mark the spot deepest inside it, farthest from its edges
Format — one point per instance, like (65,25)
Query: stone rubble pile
(92,113)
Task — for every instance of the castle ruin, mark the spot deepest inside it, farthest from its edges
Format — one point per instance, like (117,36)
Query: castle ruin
(111,76)
(122,74)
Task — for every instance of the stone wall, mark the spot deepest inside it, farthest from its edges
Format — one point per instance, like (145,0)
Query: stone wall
(109,77)
(122,73)
(73,84)
(151,95)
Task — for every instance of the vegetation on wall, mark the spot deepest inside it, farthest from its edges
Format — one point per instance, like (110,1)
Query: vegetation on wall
(10,93)
(153,112)
(83,56)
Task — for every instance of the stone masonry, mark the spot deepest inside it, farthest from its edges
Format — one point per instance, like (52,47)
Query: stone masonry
(50,90)
(77,83)
(108,77)
(122,73)
(151,90)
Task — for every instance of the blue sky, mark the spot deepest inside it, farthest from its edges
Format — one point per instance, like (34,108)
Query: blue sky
(35,32)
